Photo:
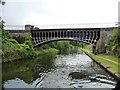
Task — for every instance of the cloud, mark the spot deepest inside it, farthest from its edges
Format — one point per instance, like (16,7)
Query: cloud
(41,12)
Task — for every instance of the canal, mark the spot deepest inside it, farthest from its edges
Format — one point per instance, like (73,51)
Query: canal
(67,71)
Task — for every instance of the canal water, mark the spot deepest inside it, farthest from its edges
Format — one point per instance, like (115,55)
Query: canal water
(69,71)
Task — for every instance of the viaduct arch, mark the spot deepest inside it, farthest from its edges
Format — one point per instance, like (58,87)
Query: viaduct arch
(93,36)
(85,35)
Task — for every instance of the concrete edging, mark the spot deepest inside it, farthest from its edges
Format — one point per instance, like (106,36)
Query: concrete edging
(116,77)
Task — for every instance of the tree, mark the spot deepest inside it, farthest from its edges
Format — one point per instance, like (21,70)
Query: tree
(114,43)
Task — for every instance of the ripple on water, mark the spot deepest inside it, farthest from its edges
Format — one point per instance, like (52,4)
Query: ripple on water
(70,71)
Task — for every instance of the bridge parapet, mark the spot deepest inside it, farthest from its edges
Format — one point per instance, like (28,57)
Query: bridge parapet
(94,36)
(85,35)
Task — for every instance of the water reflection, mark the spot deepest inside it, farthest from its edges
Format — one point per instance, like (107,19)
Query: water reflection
(27,70)
(69,71)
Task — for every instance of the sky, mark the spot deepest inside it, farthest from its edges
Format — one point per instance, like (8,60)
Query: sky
(51,12)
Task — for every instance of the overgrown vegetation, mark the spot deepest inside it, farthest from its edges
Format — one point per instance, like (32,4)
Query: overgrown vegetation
(12,50)
(64,47)
(46,57)
(114,43)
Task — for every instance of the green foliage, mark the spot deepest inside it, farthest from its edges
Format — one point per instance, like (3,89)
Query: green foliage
(12,50)
(64,47)
(26,51)
(23,69)
(27,36)
(46,57)
(48,52)
(75,43)
(5,34)
(51,45)
(114,43)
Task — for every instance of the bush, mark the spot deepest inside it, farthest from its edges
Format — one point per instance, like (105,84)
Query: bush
(5,34)
(46,57)
(114,43)
(12,50)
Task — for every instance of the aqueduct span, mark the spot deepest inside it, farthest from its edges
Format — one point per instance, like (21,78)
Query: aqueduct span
(85,35)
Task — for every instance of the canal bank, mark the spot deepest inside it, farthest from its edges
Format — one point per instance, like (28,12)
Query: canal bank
(112,71)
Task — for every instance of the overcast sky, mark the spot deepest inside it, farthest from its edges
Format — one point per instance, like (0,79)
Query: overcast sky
(46,12)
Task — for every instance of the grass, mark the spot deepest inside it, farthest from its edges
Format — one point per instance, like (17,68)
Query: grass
(87,48)
(108,64)
(112,66)
(111,57)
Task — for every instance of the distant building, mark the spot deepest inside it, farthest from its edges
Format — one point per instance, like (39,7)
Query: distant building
(28,27)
